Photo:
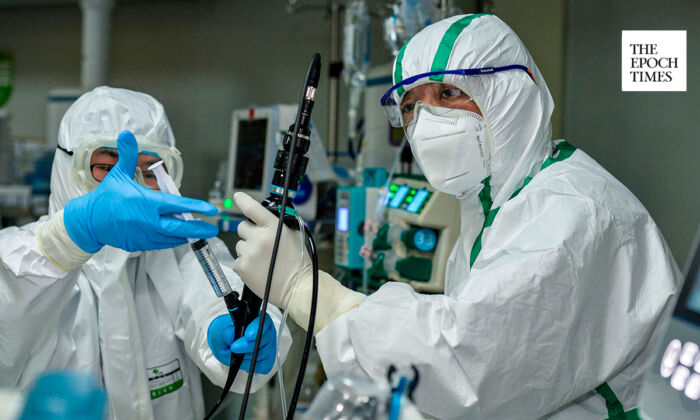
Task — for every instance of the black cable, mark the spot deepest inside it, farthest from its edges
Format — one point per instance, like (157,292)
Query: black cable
(235,366)
(275,247)
(232,304)
(310,328)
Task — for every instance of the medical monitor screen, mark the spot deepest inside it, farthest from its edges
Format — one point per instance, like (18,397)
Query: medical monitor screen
(688,306)
(399,196)
(343,222)
(416,204)
(250,154)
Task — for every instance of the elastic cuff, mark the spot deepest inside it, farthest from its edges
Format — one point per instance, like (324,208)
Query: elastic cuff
(334,300)
(57,246)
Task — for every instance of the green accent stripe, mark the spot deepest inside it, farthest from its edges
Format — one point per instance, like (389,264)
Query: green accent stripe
(562,150)
(448,42)
(485,195)
(525,182)
(486,203)
(476,248)
(628,415)
(159,392)
(613,405)
(398,71)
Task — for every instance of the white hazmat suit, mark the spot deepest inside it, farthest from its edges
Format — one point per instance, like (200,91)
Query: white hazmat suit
(557,289)
(572,279)
(137,320)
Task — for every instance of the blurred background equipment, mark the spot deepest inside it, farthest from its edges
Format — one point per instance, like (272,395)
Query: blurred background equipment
(256,135)
(672,385)
(25,165)
(413,243)
(6,69)
(347,396)
(56,396)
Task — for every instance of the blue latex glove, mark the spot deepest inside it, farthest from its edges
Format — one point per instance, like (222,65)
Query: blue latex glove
(126,215)
(65,396)
(220,339)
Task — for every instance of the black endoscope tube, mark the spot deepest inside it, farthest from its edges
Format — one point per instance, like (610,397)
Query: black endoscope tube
(303,115)
(232,303)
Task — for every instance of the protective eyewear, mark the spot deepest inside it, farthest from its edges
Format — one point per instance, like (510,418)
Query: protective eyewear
(93,161)
(391,101)
(105,158)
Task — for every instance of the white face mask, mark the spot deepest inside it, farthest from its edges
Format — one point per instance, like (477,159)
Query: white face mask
(451,147)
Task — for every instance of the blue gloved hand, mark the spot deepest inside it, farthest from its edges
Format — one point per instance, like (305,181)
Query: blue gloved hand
(65,396)
(126,215)
(220,339)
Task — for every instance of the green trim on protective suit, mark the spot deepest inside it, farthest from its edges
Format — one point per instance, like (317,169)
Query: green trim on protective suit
(398,70)
(627,415)
(486,203)
(442,56)
(562,150)
(485,195)
(614,406)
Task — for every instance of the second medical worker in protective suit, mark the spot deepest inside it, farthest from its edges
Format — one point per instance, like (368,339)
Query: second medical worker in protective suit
(77,293)
(558,284)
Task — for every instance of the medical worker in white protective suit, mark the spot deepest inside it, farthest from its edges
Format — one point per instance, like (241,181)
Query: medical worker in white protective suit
(558,286)
(140,321)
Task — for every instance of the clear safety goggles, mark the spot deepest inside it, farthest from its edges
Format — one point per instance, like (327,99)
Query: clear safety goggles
(399,114)
(94,159)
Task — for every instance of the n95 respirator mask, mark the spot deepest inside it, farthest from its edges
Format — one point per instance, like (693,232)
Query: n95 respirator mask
(451,147)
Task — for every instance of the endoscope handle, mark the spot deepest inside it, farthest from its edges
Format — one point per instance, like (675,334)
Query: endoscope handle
(243,311)
(247,308)
(253,303)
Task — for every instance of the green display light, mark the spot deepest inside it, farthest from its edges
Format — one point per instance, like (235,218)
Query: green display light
(228,203)
(393,187)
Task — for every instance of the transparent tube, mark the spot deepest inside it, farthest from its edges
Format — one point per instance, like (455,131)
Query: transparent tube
(378,213)
(280,375)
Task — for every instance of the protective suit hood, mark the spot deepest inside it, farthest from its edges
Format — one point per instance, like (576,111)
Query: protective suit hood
(516,109)
(103,112)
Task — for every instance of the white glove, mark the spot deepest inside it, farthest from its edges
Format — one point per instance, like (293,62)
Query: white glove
(255,251)
(292,279)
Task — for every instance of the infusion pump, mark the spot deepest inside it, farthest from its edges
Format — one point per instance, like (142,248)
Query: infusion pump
(422,227)
(413,240)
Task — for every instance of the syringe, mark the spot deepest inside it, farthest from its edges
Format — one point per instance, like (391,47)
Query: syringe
(241,308)
(200,247)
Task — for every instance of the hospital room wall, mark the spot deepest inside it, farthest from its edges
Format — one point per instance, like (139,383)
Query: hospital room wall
(649,140)
(201,59)
(540,24)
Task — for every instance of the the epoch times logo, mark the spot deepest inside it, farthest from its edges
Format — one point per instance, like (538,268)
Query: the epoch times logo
(654,61)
